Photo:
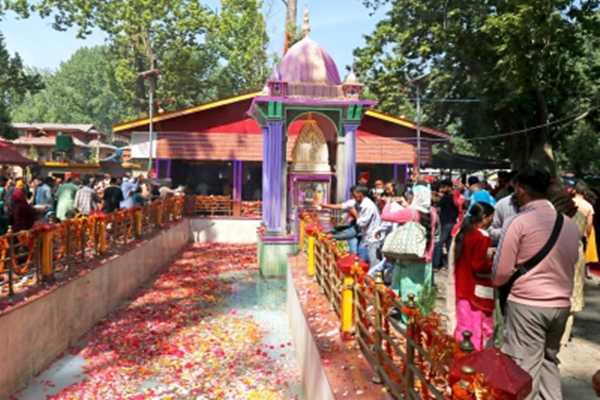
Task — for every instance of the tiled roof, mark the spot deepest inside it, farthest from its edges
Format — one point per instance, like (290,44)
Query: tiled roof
(42,126)
(370,149)
(44,141)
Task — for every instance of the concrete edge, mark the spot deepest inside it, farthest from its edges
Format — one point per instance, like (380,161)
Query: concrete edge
(314,378)
(34,334)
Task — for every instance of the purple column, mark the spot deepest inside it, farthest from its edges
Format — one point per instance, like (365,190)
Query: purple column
(274,157)
(406,173)
(266,193)
(396,172)
(350,157)
(237,180)
(169,168)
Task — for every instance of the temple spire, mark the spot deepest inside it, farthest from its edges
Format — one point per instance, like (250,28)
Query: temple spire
(306,21)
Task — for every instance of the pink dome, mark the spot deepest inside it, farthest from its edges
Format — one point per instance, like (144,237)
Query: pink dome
(308,62)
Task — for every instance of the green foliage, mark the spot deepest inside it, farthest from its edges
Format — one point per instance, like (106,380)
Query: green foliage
(524,61)
(202,55)
(240,40)
(83,90)
(15,84)
(426,299)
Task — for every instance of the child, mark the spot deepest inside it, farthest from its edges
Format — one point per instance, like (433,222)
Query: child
(472,275)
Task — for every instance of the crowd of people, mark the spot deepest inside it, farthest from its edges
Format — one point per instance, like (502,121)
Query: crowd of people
(516,255)
(23,202)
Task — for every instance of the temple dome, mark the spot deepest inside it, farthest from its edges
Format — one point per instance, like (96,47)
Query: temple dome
(308,62)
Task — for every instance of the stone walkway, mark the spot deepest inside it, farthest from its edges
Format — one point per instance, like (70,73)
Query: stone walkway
(581,358)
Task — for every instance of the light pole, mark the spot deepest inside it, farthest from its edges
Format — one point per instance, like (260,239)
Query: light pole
(415,82)
(152,74)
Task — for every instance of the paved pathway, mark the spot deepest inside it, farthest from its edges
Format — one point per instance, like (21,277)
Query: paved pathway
(209,327)
(581,358)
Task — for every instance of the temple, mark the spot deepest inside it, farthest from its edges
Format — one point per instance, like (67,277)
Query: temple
(294,144)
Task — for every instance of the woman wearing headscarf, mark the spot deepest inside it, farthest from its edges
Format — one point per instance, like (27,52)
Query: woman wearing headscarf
(410,276)
(24,215)
(564,204)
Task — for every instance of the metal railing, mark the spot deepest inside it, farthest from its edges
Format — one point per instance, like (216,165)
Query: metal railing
(224,205)
(409,353)
(50,252)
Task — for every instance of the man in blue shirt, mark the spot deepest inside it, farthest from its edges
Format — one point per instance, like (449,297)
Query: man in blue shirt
(43,195)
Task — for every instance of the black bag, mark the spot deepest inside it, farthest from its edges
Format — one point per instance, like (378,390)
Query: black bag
(504,291)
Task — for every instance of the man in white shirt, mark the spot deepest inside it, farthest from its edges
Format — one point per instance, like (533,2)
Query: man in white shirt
(368,221)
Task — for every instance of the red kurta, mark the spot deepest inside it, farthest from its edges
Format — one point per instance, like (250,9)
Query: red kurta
(474,262)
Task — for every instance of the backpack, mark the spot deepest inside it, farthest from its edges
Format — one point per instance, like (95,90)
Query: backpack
(408,241)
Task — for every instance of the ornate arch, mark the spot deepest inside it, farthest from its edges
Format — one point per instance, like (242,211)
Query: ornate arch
(310,153)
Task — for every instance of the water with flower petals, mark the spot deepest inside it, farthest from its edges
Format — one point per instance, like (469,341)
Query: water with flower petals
(208,327)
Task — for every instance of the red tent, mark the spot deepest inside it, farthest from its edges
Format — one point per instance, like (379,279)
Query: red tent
(10,156)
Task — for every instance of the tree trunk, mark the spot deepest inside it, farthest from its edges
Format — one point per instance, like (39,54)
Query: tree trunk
(291,14)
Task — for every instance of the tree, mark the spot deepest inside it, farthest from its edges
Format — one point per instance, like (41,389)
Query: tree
(240,38)
(181,38)
(15,83)
(82,90)
(521,62)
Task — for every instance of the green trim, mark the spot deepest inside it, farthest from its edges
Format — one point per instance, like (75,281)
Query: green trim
(260,110)
(274,109)
(355,112)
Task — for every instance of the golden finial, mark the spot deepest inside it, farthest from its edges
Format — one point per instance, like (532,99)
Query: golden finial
(306,22)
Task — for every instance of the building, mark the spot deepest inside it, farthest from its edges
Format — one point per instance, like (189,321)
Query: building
(297,143)
(38,140)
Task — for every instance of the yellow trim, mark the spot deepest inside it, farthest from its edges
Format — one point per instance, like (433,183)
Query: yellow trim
(403,122)
(347,305)
(190,110)
(311,255)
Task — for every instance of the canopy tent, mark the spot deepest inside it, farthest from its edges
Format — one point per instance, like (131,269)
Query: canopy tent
(10,156)
(446,160)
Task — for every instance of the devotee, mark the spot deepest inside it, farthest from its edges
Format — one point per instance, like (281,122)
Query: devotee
(564,204)
(581,190)
(347,231)
(43,196)
(448,215)
(128,187)
(4,218)
(363,179)
(139,199)
(86,200)
(24,215)
(470,186)
(410,275)
(378,193)
(473,288)
(397,202)
(367,220)
(113,196)
(538,304)
(506,208)
(65,198)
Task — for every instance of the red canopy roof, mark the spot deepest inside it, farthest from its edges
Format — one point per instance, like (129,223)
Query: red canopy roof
(10,156)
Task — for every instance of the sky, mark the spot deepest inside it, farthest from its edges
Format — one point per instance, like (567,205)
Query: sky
(338,25)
